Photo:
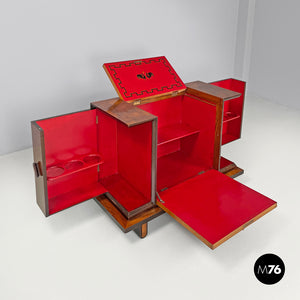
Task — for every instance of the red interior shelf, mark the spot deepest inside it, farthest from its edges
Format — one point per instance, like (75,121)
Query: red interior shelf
(75,196)
(227,138)
(124,192)
(75,165)
(174,132)
(230,116)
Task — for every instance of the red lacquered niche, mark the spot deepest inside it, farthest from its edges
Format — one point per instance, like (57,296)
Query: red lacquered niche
(155,149)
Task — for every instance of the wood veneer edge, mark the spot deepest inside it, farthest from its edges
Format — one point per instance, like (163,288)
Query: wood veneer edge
(215,245)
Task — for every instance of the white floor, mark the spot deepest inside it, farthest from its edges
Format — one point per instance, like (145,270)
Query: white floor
(81,254)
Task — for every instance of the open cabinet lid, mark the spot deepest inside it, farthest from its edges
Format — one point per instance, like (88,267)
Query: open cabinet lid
(143,78)
(213,206)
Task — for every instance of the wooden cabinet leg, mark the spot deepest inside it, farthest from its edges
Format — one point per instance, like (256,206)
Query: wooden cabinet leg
(142,230)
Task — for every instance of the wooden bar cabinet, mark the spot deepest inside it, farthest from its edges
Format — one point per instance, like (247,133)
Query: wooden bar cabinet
(154,149)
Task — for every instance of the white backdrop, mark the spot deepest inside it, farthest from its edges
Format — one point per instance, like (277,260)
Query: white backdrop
(52,51)
(275,62)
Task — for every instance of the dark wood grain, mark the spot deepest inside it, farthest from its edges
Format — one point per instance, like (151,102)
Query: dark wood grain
(206,90)
(123,111)
(142,230)
(40,164)
(127,224)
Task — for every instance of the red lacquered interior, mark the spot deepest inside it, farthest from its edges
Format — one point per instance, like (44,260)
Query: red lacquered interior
(143,78)
(224,162)
(233,110)
(213,204)
(127,156)
(69,141)
(186,129)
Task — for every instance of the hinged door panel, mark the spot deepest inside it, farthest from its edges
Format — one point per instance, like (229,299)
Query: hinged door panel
(143,78)
(71,161)
(213,206)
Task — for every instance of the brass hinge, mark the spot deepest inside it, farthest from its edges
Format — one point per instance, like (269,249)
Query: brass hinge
(96,119)
(137,102)
(175,93)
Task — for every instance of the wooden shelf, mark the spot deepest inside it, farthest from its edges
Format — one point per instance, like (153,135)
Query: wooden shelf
(75,196)
(174,132)
(75,165)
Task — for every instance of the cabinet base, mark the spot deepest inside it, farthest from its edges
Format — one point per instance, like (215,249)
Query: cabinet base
(142,230)
(229,168)
(137,223)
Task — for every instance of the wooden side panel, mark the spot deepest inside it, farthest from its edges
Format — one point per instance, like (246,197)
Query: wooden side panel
(40,164)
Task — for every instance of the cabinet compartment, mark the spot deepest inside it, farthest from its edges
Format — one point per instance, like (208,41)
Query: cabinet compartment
(90,153)
(185,133)
(233,110)
(72,160)
(126,171)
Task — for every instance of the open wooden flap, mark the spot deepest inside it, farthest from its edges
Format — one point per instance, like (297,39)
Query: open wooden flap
(213,206)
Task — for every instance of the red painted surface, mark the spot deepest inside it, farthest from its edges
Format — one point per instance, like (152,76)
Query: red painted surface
(213,204)
(233,110)
(135,79)
(174,132)
(168,148)
(107,143)
(72,166)
(75,196)
(224,162)
(202,116)
(70,140)
(126,194)
(186,128)
(168,111)
(134,147)
(174,168)
(127,156)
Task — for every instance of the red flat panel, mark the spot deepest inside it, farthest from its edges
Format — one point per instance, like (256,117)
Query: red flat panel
(72,159)
(138,79)
(224,162)
(126,195)
(168,111)
(233,109)
(134,148)
(175,168)
(174,132)
(213,206)
(75,196)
